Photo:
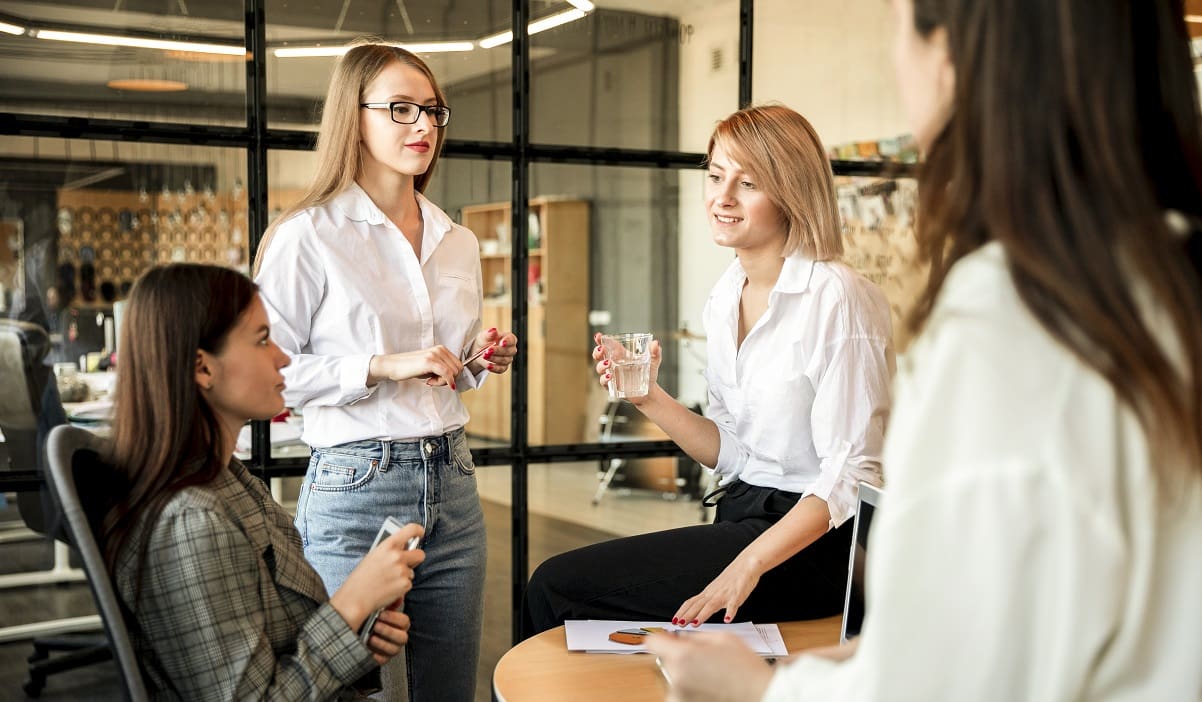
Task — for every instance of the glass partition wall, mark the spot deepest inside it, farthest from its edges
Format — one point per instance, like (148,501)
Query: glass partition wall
(140,132)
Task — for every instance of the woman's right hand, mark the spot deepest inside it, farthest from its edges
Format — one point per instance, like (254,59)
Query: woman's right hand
(382,578)
(604,368)
(436,364)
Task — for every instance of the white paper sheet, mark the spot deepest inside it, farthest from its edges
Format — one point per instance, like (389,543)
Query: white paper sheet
(592,635)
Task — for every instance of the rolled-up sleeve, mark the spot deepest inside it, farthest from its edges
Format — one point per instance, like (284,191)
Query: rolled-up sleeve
(292,284)
(204,616)
(851,407)
(732,453)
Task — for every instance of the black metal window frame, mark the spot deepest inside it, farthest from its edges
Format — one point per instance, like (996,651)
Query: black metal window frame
(257,140)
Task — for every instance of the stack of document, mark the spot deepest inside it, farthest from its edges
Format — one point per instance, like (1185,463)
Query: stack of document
(592,635)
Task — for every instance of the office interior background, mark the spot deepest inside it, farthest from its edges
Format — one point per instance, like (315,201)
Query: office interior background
(136,132)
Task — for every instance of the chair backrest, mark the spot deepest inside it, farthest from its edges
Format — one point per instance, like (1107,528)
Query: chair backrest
(29,408)
(73,455)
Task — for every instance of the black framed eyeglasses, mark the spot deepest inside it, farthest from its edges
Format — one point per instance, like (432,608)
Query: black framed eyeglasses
(407,112)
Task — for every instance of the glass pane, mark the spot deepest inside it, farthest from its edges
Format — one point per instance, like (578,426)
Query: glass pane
(605,256)
(637,75)
(497,637)
(878,240)
(86,218)
(178,62)
(840,76)
(476,80)
(572,504)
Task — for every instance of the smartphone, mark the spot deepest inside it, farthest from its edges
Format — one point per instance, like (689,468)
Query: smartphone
(387,529)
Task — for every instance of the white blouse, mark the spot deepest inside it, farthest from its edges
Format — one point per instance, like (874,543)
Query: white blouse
(801,406)
(1022,551)
(341,284)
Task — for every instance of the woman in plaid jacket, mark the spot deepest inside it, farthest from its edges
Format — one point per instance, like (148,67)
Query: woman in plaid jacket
(221,602)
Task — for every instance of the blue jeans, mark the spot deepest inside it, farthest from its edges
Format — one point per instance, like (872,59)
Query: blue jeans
(348,491)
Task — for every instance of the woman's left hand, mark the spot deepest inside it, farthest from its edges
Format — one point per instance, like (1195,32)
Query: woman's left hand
(389,634)
(504,346)
(727,591)
(710,667)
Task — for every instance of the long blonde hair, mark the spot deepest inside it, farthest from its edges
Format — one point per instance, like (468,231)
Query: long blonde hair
(338,154)
(781,149)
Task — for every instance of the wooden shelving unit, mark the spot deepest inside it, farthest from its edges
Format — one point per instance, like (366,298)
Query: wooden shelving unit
(557,287)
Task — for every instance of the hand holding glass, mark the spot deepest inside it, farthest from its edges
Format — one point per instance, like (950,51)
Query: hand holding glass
(630,360)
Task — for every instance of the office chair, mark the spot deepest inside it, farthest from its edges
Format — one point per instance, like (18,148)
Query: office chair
(28,410)
(75,462)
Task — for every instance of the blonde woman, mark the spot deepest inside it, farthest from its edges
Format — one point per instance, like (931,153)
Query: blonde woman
(375,294)
(799,365)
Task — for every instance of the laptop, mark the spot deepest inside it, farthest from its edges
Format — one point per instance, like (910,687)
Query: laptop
(853,601)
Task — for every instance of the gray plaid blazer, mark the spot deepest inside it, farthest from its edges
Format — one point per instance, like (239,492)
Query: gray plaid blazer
(229,607)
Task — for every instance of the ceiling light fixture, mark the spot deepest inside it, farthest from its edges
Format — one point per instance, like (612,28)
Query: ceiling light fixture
(427,48)
(11,28)
(1196,19)
(147,85)
(533,28)
(582,5)
(138,42)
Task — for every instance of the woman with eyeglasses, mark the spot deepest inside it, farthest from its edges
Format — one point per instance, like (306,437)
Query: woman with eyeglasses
(376,296)
(1041,538)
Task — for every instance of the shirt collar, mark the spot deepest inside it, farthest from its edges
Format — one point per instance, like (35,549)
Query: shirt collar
(358,206)
(794,275)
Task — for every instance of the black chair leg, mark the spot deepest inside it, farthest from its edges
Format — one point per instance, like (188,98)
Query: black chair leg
(41,669)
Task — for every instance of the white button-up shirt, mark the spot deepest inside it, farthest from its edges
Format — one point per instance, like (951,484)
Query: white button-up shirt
(1023,550)
(801,406)
(341,284)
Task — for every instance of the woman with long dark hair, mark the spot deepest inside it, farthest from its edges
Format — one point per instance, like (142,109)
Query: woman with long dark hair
(221,602)
(1041,532)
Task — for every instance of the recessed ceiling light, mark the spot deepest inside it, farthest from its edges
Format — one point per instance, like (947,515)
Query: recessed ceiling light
(11,28)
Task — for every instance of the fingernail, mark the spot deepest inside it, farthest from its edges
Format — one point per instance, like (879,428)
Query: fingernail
(492,330)
(490,366)
(727,620)
(452,386)
(696,622)
(673,620)
(607,376)
(607,362)
(502,342)
(488,354)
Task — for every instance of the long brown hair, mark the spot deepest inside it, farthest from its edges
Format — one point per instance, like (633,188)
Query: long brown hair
(783,151)
(165,435)
(339,159)
(1075,126)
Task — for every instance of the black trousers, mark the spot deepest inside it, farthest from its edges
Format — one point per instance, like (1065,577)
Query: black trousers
(648,577)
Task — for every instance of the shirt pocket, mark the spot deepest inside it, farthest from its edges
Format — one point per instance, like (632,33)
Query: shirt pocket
(457,308)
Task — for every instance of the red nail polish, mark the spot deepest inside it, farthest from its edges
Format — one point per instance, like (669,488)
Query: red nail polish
(673,620)
(696,622)
(452,386)
(490,366)
(492,330)
(607,376)
(727,620)
(607,362)
(502,342)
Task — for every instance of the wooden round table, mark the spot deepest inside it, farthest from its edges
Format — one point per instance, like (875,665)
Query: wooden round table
(542,668)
